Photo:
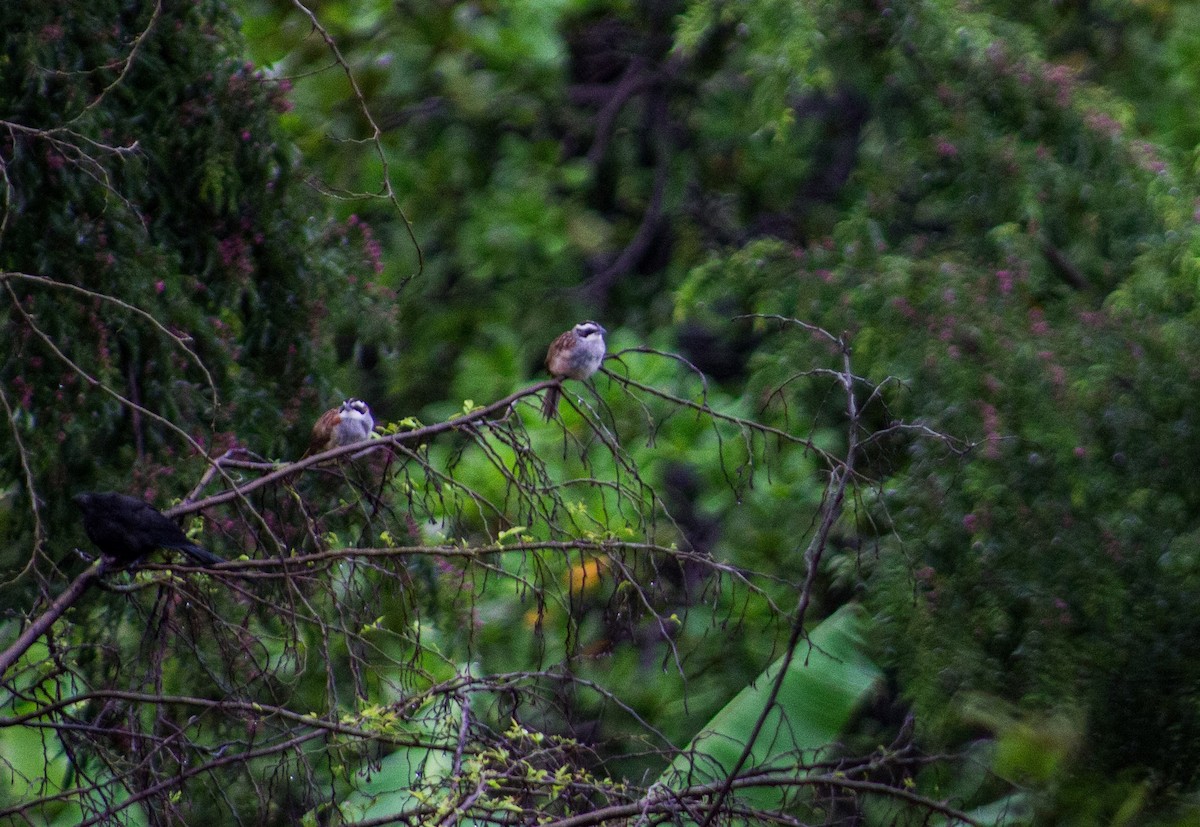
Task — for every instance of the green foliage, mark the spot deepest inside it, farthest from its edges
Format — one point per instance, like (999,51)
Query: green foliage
(999,267)
(829,679)
(994,202)
(149,194)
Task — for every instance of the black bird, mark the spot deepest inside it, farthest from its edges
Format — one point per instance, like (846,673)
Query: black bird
(127,529)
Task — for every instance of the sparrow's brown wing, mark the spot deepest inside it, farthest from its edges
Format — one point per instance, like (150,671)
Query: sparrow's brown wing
(322,433)
(556,355)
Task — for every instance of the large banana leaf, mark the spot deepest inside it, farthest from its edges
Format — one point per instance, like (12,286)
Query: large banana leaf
(826,682)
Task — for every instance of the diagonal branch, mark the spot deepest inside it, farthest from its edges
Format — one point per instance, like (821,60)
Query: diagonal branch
(831,510)
(44,621)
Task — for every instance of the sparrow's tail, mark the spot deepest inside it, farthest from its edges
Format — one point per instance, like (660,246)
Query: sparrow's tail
(201,555)
(550,403)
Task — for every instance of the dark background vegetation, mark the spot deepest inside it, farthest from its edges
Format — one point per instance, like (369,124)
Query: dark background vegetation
(218,219)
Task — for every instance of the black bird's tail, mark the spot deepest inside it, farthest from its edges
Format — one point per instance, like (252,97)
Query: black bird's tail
(550,403)
(201,555)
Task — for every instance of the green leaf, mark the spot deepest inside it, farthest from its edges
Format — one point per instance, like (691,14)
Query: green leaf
(827,681)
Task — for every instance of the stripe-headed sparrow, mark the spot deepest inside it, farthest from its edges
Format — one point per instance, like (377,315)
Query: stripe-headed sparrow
(349,422)
(576,354)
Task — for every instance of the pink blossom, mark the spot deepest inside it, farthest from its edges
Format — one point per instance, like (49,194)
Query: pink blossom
(1103,123)
(1063,79)
(1064,611)
(1005,278)
(229,249)
(946,149)
(904,308)
(375,253)
(1058,375)
(25,390)
(1037,322)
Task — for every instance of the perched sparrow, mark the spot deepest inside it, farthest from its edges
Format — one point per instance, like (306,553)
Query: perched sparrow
(127,529)
(350,422)
(576,354)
